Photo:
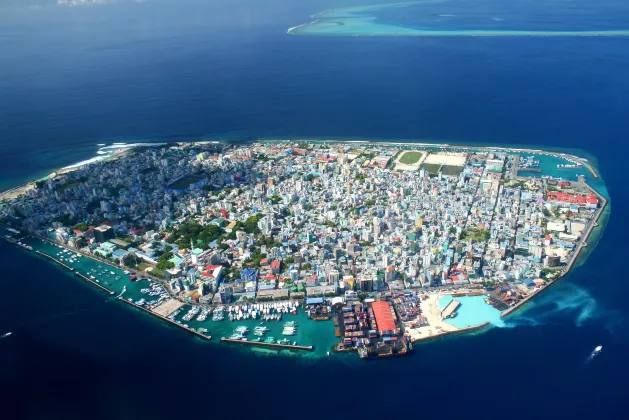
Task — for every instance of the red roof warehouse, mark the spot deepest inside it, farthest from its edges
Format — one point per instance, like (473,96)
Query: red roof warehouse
(384,317)
(581,200)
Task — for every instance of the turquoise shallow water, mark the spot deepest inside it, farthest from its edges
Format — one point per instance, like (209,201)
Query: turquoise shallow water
(429,18)
(548,165)
(472,312)
(319,334)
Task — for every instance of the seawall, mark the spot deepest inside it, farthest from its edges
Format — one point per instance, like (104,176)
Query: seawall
(190,330)
(268,345)
(446,333)
(582,244)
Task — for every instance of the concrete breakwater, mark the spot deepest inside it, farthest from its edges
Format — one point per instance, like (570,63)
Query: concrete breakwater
(190,330)
(55,260)
(269,345)
(94,283)
(445,333)
(77,273)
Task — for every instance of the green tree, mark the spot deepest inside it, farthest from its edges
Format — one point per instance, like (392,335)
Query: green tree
(163,263)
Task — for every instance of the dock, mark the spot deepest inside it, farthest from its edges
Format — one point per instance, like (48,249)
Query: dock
(450,309)
(268,345)
(100,286)
(190,330)
(94,283)
(55,260)
(536,170)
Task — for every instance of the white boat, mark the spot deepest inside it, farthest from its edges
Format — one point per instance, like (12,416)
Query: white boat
(595,352)
(5,335)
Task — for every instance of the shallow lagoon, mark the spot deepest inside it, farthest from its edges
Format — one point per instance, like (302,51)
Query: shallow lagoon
(472,312)
(472,18)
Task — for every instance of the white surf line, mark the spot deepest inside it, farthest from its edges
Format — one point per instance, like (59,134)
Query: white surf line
(290,30)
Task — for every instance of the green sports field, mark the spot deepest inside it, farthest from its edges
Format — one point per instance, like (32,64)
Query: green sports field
(409,158)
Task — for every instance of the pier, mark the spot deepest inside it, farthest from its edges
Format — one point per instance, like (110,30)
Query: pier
(190,330)
(268,345)
(55,260)
(450,309)
(100,286)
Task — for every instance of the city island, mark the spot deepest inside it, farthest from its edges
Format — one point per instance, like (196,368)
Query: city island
(314,247)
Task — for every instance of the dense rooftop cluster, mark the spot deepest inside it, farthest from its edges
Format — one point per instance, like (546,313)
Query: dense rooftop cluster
(269,221)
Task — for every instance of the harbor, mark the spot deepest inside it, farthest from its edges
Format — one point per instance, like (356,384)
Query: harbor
(151,298)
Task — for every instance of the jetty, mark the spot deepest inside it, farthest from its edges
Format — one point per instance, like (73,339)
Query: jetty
(190,330)
(268,345)
(103,288)
(100,286)
(450,309)
(55,260)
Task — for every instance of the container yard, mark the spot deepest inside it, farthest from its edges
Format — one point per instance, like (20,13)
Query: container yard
(373,329)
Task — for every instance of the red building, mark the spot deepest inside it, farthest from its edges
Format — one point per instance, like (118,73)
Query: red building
(384,317)
(588,200)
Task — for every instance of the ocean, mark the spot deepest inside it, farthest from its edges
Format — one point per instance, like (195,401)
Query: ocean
(72,78)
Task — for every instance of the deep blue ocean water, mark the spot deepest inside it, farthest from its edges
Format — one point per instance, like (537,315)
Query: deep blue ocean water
(71,78)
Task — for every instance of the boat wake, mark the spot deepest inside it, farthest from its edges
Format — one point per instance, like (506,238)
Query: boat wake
(594,353)
(5,335)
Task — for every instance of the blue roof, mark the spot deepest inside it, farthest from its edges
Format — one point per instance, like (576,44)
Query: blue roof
(313,301)
(119,253)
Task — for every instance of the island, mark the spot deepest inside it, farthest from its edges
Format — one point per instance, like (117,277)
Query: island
(365,247)
(445,18)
